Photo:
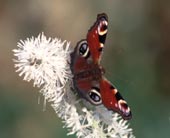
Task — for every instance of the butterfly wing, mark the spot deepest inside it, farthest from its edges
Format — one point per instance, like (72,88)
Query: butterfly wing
(96,37)
(83,80)
(113,100)
(86,55)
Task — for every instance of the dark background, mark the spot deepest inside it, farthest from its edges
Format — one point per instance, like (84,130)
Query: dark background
(136,59)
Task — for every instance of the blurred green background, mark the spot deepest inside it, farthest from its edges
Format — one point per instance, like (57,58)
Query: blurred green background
(136,59)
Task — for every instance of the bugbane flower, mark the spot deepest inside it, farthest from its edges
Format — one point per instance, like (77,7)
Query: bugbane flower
(46,61)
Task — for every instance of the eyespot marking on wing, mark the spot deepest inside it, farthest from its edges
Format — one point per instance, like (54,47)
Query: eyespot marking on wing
(94,96)
(102,28)
(83,49)
(124,109)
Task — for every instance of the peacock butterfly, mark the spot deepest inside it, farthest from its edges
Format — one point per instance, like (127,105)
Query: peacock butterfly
(89,78)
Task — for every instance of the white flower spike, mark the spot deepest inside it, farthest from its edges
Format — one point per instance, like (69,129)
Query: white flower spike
(47,63)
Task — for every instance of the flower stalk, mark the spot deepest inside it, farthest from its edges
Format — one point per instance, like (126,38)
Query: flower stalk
(46,61)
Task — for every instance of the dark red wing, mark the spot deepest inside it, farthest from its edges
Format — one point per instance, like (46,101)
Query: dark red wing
(82,67)
(85,56)
(96,37)
(113,100)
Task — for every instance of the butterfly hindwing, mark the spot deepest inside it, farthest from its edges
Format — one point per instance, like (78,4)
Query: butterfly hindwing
(84,78)
(112,99)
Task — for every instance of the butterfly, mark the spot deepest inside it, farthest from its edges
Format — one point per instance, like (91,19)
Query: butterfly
(89,78)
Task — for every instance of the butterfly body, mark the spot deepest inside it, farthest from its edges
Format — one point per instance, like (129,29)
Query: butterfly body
(92,72)
(89,78)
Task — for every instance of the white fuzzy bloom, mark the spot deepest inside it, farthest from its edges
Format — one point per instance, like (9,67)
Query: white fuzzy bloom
(43,60)
(47,63)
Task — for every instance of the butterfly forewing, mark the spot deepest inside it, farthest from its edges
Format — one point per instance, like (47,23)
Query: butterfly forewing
(96,37)
(113,100)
